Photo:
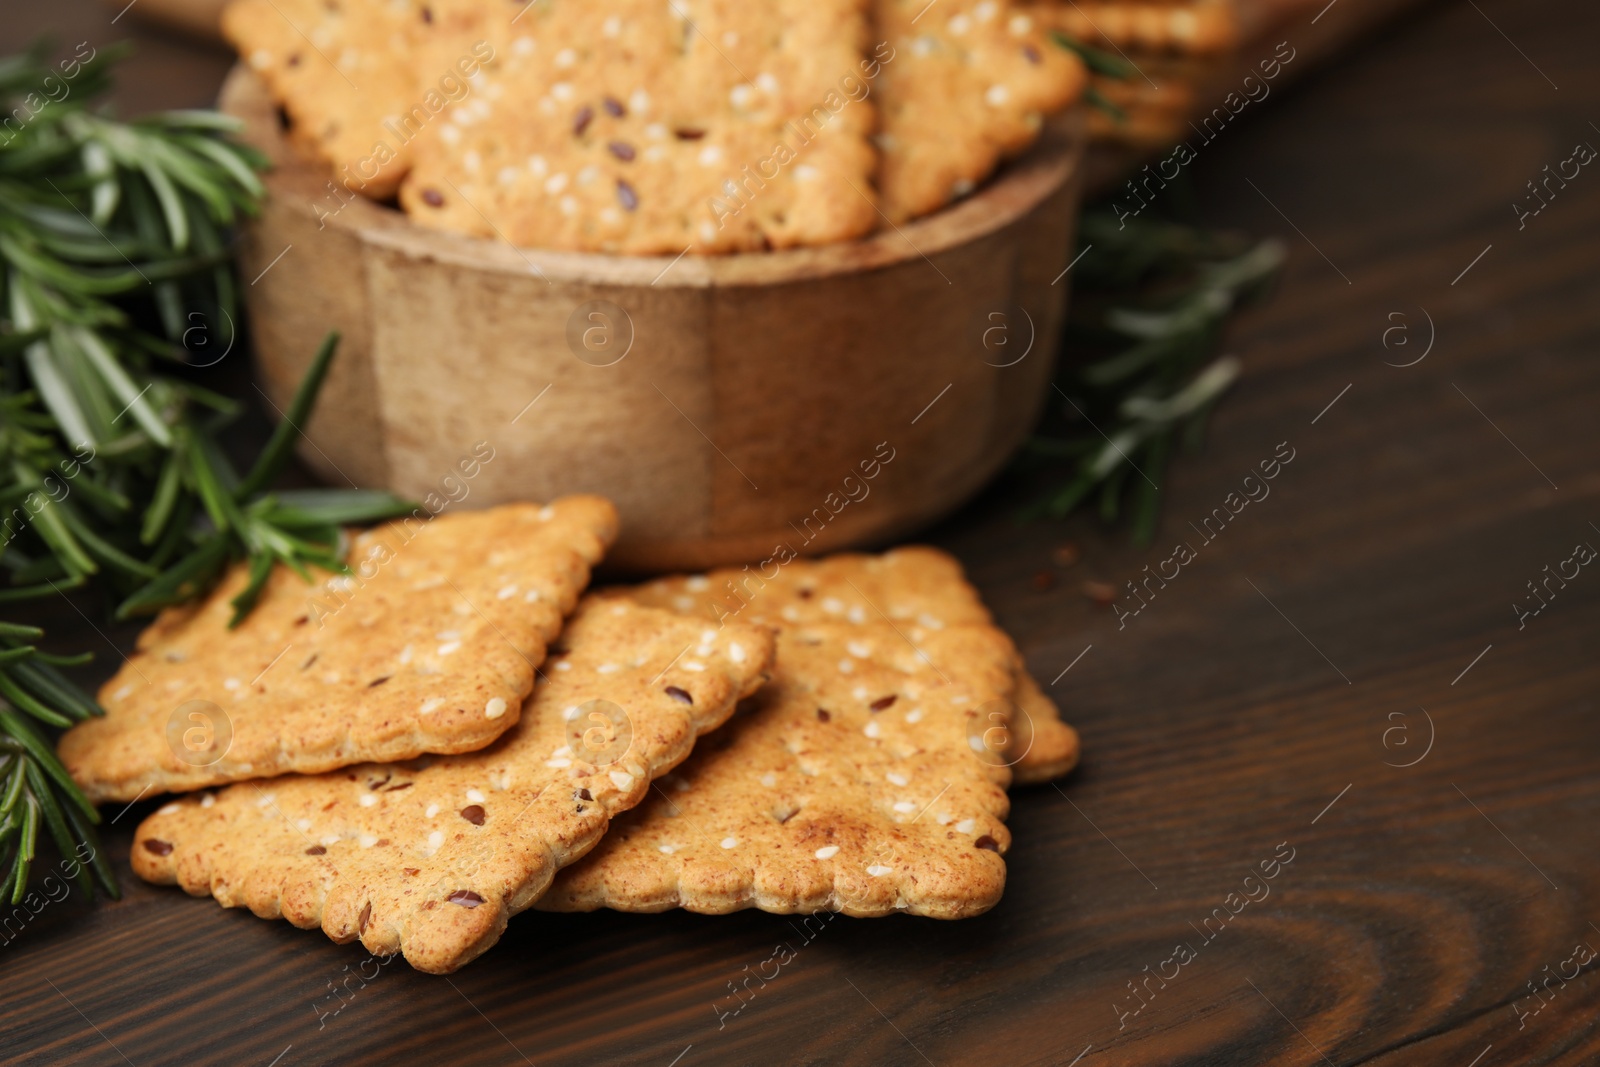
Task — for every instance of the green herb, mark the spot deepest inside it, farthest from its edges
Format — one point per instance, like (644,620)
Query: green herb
(1098,62)
(113,251)
(1095,98)
(1150,305)
(34,786)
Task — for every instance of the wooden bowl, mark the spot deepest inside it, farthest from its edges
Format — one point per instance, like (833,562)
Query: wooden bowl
(814,398)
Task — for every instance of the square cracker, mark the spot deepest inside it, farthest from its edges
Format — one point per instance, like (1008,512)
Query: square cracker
(968,86)
(344,71)
(432,857)
(857,784)
(651,127)
(917,590)
(429,646)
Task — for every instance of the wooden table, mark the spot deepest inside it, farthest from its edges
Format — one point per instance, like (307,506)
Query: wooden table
(1339,675)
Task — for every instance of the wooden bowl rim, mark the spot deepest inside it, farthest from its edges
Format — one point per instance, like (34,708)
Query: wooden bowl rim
(1019,187)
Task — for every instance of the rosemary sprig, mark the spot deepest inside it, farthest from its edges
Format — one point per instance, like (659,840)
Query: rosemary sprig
(34,786)
(1152,305)
(113,243)
(294,529)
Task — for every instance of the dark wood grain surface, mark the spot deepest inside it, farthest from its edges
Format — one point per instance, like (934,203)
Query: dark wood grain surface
(1264,702)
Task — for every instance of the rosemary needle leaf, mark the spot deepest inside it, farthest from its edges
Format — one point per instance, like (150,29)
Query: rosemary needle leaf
(1147,497)
(231,161)
(54,659)
(102,550)
(16,778)
(53,389)
(180,581)
(118,379)
(171,206)
(1111,492)
(1096,99)
(30,592)
(53,530)
(83,831)
(54,818)
(163,500)
(1069,497)
(279,448)
(1098,62)
(340,507)
(39,751)
(260,571)
(27,843)
(49,685)
(208,478)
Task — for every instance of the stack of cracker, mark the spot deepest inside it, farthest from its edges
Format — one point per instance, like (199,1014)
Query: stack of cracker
(411,753)
(637,126)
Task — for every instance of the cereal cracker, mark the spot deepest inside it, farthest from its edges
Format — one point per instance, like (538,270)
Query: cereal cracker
(639,126)
(431,857)
(429,646)
(350,75)
(915,590)
(968,86)
(856,784)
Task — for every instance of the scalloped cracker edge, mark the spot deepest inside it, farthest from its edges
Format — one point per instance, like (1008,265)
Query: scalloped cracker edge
(432,857)
(915,589)
(858,783)
(429,645)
